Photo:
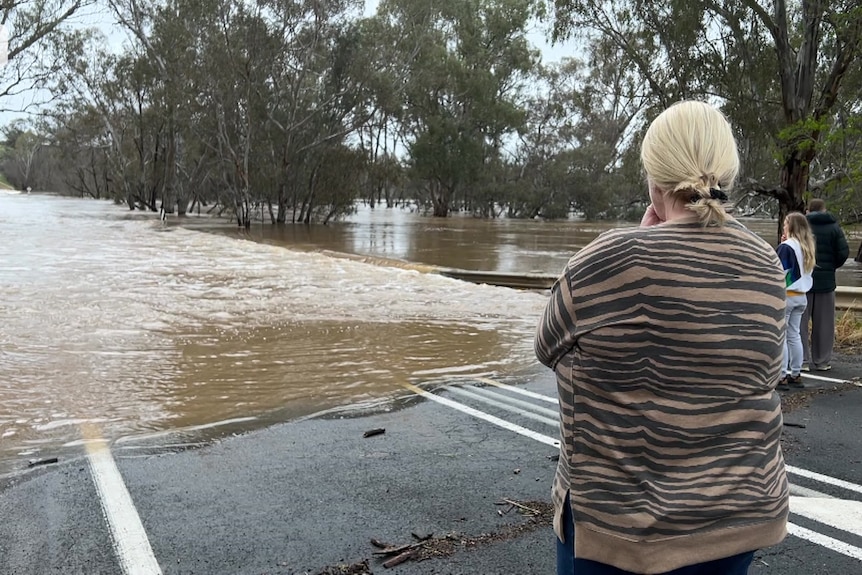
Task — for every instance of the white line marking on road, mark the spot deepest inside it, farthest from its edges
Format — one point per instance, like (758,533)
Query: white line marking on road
(805,492)
(797,504)
(485,416)
(484,399)
(515,389)
(838,513)
(825,541)
(130,539)
(790,468)
(828,379)
(824,478)
(508,399)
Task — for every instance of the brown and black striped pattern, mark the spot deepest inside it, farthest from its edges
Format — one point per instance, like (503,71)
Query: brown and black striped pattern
(667,344)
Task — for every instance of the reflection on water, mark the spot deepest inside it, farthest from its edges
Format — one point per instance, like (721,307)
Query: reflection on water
(515,246)
(458,242)
(110,317)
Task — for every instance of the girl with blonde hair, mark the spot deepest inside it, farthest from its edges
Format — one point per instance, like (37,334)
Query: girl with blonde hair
(796,253)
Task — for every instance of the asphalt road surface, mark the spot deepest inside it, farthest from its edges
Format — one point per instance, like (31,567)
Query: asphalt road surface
(462,474)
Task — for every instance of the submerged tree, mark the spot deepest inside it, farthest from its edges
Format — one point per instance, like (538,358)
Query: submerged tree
(465,63)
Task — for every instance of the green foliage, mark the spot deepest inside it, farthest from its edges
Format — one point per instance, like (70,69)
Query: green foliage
(803,135)
(303,107)
(465,64)
(779,74)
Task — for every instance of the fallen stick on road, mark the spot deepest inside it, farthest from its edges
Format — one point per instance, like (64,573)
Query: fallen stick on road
(37,462)
(523,507)
(399,559)
(396,550)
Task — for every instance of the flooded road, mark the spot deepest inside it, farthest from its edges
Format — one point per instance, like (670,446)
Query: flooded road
(112,318)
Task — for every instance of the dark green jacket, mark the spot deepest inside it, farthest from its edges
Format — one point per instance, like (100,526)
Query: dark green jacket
(832,250)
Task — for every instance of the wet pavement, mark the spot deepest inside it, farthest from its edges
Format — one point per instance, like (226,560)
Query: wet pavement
(470,468)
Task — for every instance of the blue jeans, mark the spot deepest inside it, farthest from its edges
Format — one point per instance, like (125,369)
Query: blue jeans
(568,564)
(793,341)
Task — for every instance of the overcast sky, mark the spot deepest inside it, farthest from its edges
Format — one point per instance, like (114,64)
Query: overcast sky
(117,36)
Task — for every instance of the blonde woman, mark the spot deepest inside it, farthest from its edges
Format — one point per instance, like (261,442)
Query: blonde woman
(797,255)
(666,341)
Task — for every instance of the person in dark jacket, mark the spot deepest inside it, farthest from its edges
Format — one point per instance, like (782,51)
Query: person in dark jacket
(832,251)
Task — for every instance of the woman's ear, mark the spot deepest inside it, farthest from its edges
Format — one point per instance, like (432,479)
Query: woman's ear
(657,199)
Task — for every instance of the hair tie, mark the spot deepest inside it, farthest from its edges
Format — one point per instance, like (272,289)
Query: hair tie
(717,194)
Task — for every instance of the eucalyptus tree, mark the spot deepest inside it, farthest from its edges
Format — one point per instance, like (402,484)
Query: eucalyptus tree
(19,155)
(606,102)
(167,44)
(573,151)
(79,162)
(837,170)
(389,53)
(28,32)
(542,184)
(111,93)
(314,98)
(236,49)
(468,61)
(250,94)
(778,67)
(121,106)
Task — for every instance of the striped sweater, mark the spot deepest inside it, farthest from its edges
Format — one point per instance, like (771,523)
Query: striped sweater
(667,344)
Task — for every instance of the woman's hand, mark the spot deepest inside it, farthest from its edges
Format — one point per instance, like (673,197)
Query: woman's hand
(651,217)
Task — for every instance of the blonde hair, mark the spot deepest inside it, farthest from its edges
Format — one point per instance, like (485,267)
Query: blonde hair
(689,150)
(798,228)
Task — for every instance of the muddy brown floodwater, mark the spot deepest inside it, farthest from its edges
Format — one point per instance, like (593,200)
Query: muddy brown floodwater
(169,334)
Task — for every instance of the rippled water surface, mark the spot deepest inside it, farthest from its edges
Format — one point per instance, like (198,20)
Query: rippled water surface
(112,318)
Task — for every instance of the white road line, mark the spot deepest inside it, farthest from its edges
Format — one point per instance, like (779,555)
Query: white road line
(829,379)
(805,492)
(485,416)
(819,477)
(824,478)
(503,398)
(797,504)
(515,389)
(840,514)
(825,541)
(499,405)
(130,540)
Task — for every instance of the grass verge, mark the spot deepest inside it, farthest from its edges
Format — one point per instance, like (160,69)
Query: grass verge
(848,332)
(4,183)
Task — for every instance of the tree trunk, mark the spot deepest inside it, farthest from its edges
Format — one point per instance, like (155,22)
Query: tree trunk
(182,206)
(281,216)
(308,202)
(272,218)
(794,180)
(440,200)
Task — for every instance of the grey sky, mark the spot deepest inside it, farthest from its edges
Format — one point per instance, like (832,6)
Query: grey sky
(116,36)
